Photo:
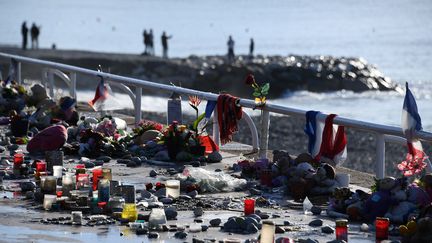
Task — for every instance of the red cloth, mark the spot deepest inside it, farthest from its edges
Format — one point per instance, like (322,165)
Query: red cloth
(228,115)
(331,147)
(209,144)
(51,138)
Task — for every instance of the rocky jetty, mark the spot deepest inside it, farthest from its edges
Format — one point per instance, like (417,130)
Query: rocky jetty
(215,73)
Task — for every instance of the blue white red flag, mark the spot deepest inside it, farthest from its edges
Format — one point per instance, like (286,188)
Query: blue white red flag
(101,94)
(411,123)
(326,140)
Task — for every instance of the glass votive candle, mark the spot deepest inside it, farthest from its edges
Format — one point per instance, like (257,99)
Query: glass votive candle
(249,206)
(129,212)
(82,180)
(40,166)
(68,184)
(18,159)
(97,174)
(381,228)
(80,169)
(49,200)
(76,217)
(107,173)
(267,232)
(104,190)
(172,188)
(342,229)
(49,186)
(57,171)
(266,177)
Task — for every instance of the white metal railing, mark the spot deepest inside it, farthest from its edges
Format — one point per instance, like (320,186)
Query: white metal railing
(384,133)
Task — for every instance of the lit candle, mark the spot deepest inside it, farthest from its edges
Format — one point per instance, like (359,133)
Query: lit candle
(249,206)
(342,229)
(40,166)
(57,171)
(381,228)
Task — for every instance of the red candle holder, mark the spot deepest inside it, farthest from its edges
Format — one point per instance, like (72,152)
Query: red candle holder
(342,230)
(59,193)
(40,166)
(249,206)
(97,174)
(82,180)
(18,159)
(102,205)
(381,228)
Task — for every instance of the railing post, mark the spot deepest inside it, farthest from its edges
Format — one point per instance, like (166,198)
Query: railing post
(51,83)
(72,90)
(380,156)
(18,72)
(138,94)
(265,124)
(216,137)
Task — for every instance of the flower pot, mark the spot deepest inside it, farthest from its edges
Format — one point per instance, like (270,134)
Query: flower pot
(197,150)
(20,127)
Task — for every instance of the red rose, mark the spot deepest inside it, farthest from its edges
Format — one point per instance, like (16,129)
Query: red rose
(250,79)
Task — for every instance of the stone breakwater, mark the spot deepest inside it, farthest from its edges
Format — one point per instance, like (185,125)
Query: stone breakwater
(215,73)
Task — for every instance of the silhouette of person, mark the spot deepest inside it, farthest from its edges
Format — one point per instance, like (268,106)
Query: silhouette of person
(230,44)
(164,40)
(24,31)
(34,33)
(151,43)
(146,42)
(251,48)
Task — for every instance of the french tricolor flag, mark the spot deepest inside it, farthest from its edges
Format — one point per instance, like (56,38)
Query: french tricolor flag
(101,94)
(326,140)
(411,123)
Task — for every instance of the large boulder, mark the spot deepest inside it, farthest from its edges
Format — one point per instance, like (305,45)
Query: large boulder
(51,138)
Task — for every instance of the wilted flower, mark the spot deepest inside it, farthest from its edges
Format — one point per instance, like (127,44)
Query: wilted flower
(194,101)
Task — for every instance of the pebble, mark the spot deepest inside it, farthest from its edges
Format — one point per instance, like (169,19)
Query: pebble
(180,235)
(2,149)
(279,230)
(215,222)
(171,213)
(204,227)
(263,215)
(153,235)
(153,173)
(167,200)
(198,212)
(141,231)
(131,164)
(105,159)
(308,240)
(287,223)
(316,223)
(199,220)
(99,162)
(214,157)
(255,191)
(327,230)
(251,229)
(364,227)
(123,161)
(13,147)
(89,165)
(193,194)
(146,194)
(195,240)
(316,210)
(160,193)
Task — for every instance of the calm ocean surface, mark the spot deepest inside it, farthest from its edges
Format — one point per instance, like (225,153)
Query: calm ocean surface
(395,35)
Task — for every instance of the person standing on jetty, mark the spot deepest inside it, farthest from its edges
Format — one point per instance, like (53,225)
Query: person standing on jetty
(24,31)
(251,48)
(164,40)
(151,43)
(34,33)
(146,42)
(230,44)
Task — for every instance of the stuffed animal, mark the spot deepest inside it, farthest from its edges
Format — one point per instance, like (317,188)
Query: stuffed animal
(380,201)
